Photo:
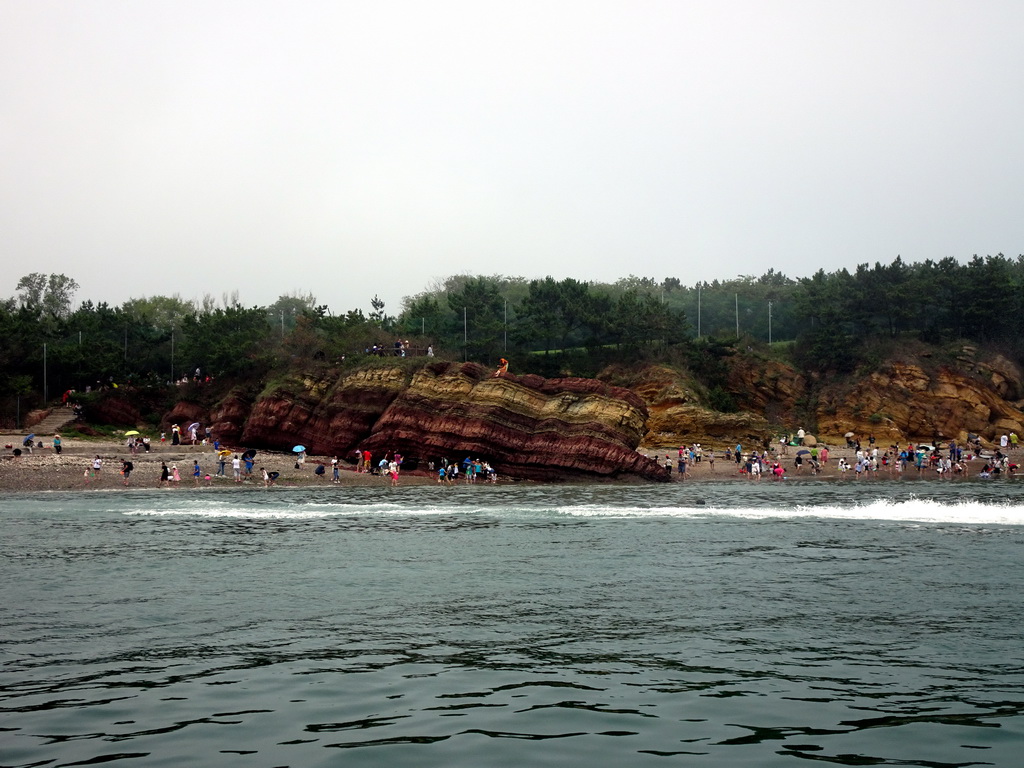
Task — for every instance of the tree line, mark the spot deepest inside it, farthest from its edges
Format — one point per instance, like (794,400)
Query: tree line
(824,322)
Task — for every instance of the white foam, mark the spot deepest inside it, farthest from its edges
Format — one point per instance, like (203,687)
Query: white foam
(299,512)
(917,510)
(912,510)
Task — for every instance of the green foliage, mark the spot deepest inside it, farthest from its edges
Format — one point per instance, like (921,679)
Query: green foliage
(720,400)
(479,315)
(47,296)
(826,323)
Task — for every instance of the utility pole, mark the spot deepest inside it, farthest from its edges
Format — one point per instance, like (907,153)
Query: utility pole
(698,310)
(769,323)
(45,392)
(737,314)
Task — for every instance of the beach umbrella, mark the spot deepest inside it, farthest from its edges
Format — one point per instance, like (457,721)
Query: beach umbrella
(803,452)
(848,434)
(131,432)
(30,435)
(224,452)
(298,449)
(250,454)
(193,425)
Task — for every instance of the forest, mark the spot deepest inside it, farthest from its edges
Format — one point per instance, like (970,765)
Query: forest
(825,323)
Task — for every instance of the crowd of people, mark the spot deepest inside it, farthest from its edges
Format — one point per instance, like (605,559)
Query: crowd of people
(946,461)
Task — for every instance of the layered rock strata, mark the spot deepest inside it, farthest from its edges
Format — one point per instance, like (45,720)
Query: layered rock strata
(525,426)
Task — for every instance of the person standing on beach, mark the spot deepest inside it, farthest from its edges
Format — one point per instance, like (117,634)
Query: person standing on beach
(126,469)
(97,465)
(334,469)
(175,477)
(236,467)
(165,474)
(196,472)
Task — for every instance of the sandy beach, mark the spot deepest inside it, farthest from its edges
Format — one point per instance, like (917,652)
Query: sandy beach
(45,470)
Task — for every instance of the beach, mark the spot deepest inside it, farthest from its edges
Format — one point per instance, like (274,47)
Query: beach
(44,470)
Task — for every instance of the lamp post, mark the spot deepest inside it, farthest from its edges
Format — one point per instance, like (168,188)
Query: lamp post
(698,310)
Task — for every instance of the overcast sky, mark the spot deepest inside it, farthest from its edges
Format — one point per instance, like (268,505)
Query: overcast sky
(352,148)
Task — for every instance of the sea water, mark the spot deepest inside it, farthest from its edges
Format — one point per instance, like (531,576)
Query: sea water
(733,624)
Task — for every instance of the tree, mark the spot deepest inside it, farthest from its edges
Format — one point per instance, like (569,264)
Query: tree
(284,312)
(164,312)
(482,308)
(377,313)
(47,295)
(226,342)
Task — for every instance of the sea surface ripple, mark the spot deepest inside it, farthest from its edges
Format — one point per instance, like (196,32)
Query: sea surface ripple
(713,624)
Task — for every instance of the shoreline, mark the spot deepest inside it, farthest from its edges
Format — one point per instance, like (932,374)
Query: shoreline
(44,470)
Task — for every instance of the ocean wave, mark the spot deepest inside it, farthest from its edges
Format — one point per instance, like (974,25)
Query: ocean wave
(915,510)
(910,510)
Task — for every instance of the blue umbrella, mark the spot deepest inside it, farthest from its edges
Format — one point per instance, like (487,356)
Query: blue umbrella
(298,449)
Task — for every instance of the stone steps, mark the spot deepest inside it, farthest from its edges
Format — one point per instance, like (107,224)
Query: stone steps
(54,422)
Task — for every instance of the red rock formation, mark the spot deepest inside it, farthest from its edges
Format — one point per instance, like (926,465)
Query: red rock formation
(525,426)
(117,409)
(327,415)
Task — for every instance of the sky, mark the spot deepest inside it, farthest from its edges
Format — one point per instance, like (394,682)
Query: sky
(352,149)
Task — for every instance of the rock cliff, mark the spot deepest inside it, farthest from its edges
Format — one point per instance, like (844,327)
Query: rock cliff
(526,426)
(913,398)
(572,428)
